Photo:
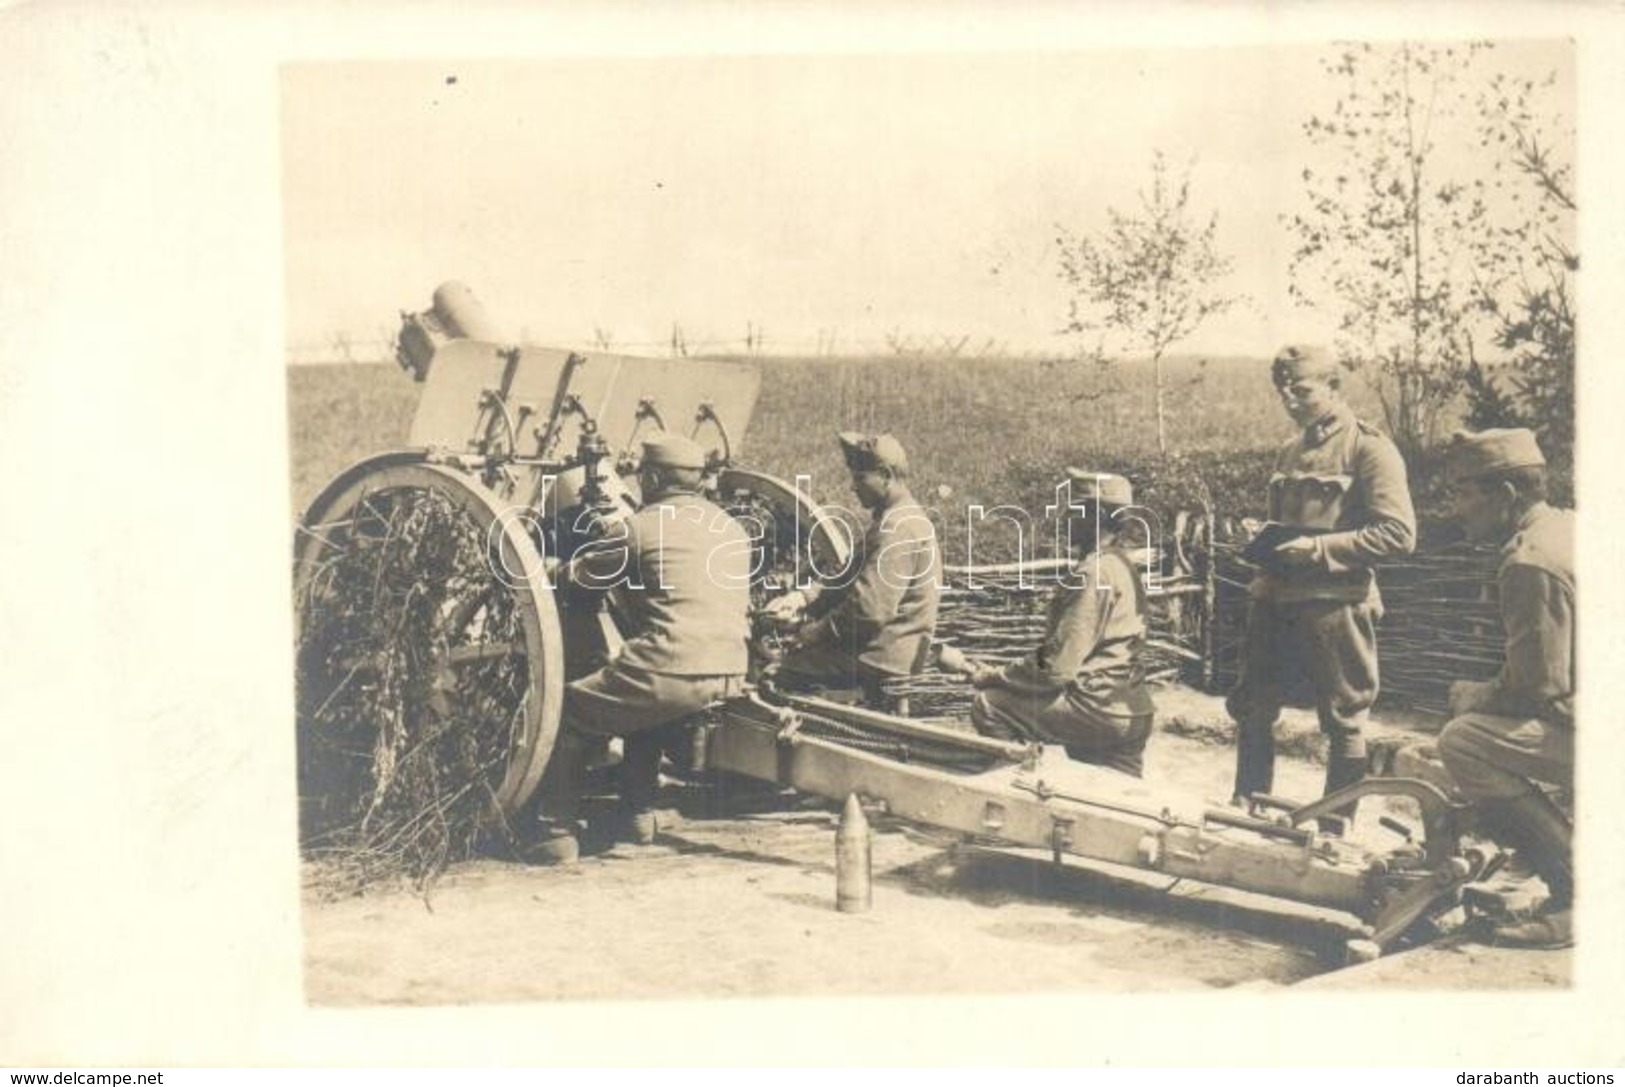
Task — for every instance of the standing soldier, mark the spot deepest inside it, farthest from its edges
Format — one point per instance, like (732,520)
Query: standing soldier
(1340,497)
(1083,686)
(1518,728)
(681,567)
(878,625)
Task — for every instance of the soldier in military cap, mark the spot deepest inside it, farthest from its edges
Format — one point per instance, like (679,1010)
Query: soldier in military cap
(877,624)
(680,567)
(1083,686)
(1340,500)
(1518,728)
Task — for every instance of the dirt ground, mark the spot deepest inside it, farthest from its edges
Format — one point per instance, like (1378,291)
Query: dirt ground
(742,904)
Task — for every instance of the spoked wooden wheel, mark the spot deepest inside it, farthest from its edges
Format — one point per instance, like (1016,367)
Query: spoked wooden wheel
(430,665)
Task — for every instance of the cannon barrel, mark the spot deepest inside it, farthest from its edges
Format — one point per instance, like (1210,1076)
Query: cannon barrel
(455,314)
(462,315)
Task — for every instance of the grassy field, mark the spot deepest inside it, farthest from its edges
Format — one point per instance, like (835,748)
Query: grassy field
(977,432)
(340,413)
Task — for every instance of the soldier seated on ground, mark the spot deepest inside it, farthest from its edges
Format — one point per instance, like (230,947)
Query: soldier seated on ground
(680,567)
(1510,735)
(876,625)
(1083,686)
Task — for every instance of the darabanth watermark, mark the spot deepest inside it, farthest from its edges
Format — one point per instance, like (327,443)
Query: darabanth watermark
(605,553)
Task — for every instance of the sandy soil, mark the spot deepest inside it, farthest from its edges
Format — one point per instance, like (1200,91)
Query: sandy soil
(741,903)
(744,906)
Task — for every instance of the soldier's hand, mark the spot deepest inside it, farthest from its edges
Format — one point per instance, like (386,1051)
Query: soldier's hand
(984,676)
(951,659)
(1297,552)
(786,608)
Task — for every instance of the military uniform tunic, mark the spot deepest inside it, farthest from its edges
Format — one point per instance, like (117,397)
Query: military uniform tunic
(1346,483)
(1083,685)
(1521,723)
(879,624)
(681,570)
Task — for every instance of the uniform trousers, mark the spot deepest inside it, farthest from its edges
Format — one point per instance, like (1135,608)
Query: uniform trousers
(1332,644)
(631,702)
(1088,733)
(619,699)
(1495,761)
(1491,757)
(824,665)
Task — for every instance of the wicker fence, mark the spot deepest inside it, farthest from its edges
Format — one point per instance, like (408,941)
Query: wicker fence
(1441,623)
(1441,620)
(997,613)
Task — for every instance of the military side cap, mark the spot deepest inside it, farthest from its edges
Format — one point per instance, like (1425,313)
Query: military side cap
(1101,487)
(673,451)
(1471,454)
(1297,361)
(866,452)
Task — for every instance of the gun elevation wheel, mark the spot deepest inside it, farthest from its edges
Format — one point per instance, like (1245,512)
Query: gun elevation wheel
(797,539)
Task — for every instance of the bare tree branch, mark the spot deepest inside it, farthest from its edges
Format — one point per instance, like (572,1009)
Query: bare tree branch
(1146,282)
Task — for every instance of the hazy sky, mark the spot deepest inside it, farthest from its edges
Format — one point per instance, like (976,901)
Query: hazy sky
(809,196)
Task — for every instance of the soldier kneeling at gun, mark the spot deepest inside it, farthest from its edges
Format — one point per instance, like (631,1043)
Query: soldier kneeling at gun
(680,566)
(1513,734)
(876,626)
(1083,686)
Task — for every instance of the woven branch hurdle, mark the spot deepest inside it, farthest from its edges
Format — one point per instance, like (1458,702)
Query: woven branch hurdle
(1441,622)
(996,614)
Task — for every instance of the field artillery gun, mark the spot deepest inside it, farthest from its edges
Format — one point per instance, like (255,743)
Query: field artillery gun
(433,652)
(431,644)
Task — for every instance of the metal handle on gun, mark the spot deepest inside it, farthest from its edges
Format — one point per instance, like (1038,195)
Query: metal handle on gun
(707,413)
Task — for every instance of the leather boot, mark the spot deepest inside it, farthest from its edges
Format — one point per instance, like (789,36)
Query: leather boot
(1549,930)
(1125,760)
(1129,756)
(1255,760)
(1532,825)
(1342,770)
(640,785)
(547,827)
